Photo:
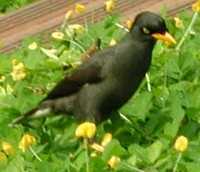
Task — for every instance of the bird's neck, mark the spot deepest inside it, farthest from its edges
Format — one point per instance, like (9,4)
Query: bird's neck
(134,62)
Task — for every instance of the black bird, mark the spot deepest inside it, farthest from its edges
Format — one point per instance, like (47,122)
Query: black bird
(107,80)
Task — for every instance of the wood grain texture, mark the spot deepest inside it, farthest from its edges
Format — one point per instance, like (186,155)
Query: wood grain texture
(47,15)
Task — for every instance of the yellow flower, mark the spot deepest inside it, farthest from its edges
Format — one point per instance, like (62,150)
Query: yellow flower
(76,28)
(110,5)
(7,148)
(106,139)
(58,35)
(18,72)
(86,130)
(196,6)
(3,156)
(181,144)
(114,161)
(26,141)
(112,42)
(97,147)
(68,15)
(178,22)
(33,46)
(79,8)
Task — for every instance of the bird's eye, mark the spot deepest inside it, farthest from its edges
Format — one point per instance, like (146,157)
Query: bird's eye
(145,30)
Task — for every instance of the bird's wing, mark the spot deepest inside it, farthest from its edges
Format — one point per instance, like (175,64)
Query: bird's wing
(88,73)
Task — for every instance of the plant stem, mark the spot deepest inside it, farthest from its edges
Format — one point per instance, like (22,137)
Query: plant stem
(63,24)
(86,155)
(177,161)
(78,45)
(148,82)
(35,154)
(121,27)
(187,32)
(125,118)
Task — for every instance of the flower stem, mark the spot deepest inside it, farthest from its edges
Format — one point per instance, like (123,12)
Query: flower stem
(35,154)
(86,155)
(187,32)
(148,82)
(177,161)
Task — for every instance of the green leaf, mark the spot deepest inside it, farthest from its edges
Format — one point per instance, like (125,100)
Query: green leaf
(176,112)
(113,148)
(97,164)
(154,151)
(50,53)
(140,153)
(192,167)
(138,106)
(80,160)
(172,68)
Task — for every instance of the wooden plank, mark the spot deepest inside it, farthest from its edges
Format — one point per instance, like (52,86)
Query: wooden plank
(47,15)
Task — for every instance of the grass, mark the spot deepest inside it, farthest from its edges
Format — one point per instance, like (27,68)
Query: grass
(11,5)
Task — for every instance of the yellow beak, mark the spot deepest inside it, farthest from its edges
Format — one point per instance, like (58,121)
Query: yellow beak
(165,37)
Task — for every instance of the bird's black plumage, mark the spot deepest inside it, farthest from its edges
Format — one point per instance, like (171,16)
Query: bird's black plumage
(110,77)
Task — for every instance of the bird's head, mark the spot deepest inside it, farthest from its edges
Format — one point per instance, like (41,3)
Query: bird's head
(152,27)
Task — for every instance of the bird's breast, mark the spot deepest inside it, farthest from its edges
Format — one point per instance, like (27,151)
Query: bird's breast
(117,92)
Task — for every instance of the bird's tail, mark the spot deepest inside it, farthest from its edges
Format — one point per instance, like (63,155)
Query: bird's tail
(46,108)
(32,114)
